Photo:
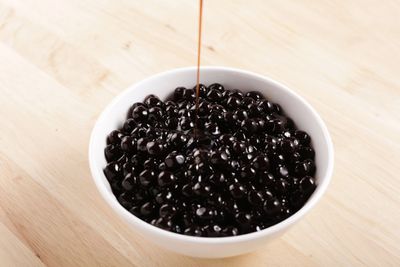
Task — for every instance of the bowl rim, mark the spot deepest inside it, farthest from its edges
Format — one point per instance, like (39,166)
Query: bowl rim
(112,201)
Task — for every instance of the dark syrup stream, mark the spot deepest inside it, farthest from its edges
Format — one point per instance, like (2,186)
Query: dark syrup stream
(198,63)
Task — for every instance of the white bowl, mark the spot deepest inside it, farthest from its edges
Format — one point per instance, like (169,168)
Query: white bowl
(305,117)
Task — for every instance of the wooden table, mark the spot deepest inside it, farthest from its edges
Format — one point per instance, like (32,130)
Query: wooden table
(63,61)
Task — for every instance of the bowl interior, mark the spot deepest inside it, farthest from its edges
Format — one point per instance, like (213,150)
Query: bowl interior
(163,84)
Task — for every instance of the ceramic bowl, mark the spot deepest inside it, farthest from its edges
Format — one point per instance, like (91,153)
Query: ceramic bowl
(162,85)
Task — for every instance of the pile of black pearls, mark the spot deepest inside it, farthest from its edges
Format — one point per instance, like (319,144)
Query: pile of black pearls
(244,167)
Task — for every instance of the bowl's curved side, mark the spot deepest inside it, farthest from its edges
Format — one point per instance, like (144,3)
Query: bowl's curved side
(303,114)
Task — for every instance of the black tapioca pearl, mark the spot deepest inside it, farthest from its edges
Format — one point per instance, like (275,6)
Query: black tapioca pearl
(115,137)
(112,152)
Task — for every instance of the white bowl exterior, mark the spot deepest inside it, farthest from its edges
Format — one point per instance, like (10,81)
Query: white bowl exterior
(162,85)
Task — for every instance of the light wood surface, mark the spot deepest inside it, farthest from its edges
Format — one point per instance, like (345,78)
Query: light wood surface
(63,61)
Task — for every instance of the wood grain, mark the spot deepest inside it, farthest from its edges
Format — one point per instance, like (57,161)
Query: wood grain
(63,61)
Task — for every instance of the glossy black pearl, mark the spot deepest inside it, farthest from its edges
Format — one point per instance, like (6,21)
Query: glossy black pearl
(178,93)
(278,109)
(123,159)
(129,115)
(266,178)
(202,89)
(147,177)
(219,158)
(247,101)
(252,110)
(129,125)
(129,182)
(183,113)
(151,164)
(217,178)
(283,123)
(153,101)
(216,86)
(237,190)
(239,148)
(276,158)
(201,189)
(125,199)
(230,231)
(226,140)
(213,230)
(174,160)
(185,104)
(255,95)
(250,125)
(112,171)
(170,103)
(167,210)
(171,123)
(303,137)
(216,117)
(135,210)
(147,208)
(294,158)
(186,123)
(139,131)
(255,198)
(266,106)
(204,108)
(233,103)
(214,95)
(213,129)
(187,190)
(112,152)
(218,108)
(305,168)
(261,124)
(251,152)
(199,155)
(193,231)
(128,167)
(164,223)
(230,120)
(282,186)
(155,114)
(307,184)
(164,197)
(272,206)
(287,146)
(204,213)
(177,229)
(166,178)
(247,172)
(241,114)
(243,219)
(189,94)
(171,110)
(218,200)
(306,152)
(178,139)
(141,144)
(128,144)
(282,171)
(261,163)
(255,141)
(140,194)
(140,114)
(114,137)
(154,148)
(154,132)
